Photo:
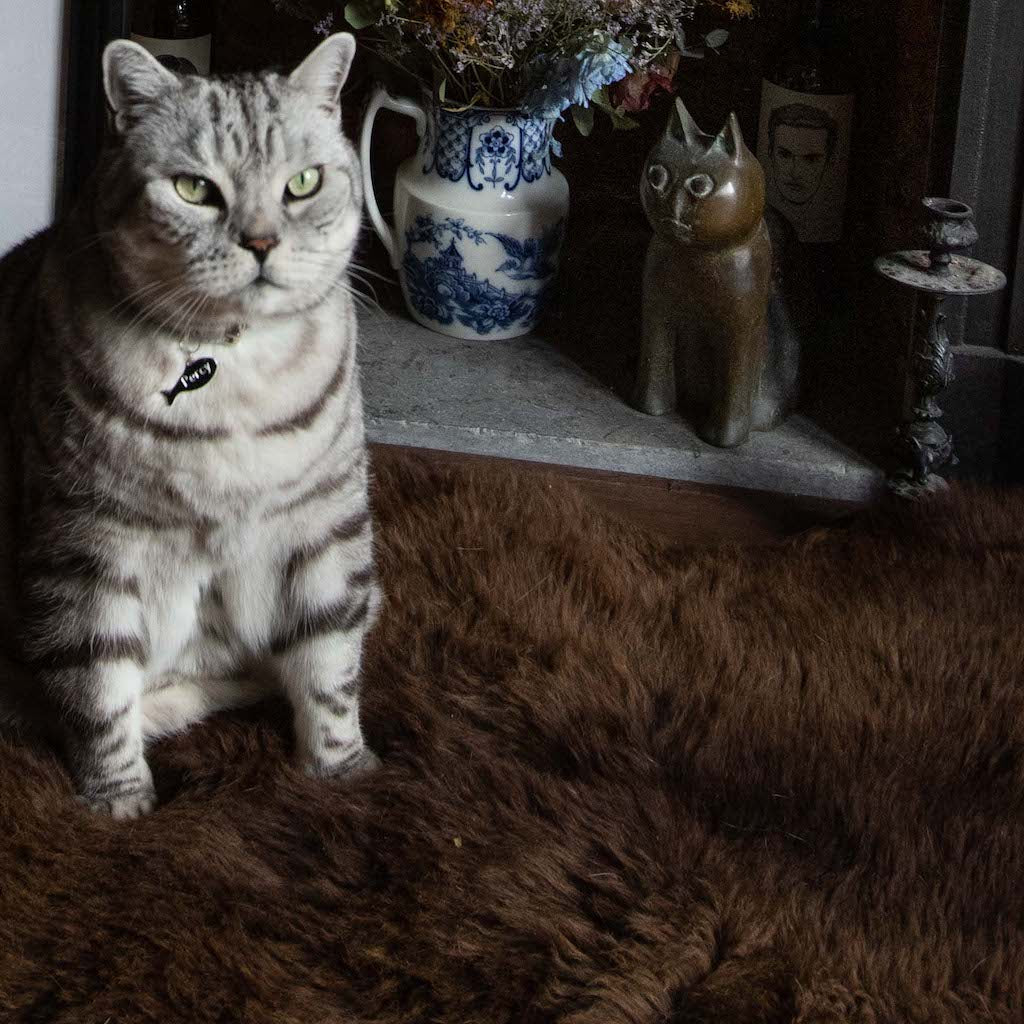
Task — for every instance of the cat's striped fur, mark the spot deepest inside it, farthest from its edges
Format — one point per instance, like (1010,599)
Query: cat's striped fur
(161,561)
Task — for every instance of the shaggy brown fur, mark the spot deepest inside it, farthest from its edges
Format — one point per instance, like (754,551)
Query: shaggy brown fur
(623,784)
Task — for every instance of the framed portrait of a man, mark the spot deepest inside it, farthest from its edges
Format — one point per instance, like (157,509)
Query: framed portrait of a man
(804,146)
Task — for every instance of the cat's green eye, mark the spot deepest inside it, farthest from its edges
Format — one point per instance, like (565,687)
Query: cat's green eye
(197,191)
(305,184)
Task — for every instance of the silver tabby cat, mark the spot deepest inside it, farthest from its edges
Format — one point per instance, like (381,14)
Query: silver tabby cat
(165,559)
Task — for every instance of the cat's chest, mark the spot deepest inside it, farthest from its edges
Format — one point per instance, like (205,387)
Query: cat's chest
(263,408)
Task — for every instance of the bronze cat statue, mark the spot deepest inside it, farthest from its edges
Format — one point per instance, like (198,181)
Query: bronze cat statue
(707,288)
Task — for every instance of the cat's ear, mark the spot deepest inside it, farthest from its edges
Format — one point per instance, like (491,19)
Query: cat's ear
(730,140)
(132,75)
(682,127)
(323,73)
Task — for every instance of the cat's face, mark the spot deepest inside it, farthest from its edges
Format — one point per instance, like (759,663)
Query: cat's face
(699,190)
(229,200)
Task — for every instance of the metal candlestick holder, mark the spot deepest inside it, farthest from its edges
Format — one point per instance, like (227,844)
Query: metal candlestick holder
(935,273)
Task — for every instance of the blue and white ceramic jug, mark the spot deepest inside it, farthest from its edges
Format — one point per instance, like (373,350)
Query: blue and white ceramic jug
(479,217)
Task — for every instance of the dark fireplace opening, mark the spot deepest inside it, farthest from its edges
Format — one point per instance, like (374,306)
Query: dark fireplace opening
(940,111)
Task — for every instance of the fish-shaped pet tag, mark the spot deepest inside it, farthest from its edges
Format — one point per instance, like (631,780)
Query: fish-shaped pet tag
(197,375)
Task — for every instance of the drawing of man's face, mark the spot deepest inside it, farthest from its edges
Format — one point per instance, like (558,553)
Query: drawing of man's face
(802,146)
(800,157)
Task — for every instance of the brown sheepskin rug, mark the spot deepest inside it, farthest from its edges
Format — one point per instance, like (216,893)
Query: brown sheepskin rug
(624,784)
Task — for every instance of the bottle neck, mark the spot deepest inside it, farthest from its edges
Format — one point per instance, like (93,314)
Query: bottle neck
(814,57)
(823,19)
(814,24)
(172,19)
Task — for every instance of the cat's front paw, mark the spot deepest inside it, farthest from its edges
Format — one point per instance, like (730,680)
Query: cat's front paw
(355,765)
(123,806)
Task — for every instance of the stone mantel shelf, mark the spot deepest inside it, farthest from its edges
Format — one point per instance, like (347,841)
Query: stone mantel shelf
(523,399)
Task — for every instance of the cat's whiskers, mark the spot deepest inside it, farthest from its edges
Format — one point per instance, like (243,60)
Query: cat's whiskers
(361,301)
(174,325)
(180,326)
(359,268)
(365,284)
(311,260)
(197,308)
(92,241)
(372,292)
(143,290)
(153,307)
(352,270)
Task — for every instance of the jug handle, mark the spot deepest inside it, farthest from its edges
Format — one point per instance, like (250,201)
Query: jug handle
(383,99)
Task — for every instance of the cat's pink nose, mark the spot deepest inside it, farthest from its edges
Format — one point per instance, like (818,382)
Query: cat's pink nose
(260,247)
(700,186)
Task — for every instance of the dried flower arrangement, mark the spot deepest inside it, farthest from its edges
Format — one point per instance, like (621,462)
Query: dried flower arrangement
(543,57)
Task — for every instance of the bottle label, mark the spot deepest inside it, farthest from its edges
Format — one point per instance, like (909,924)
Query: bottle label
(185,55)
(804,147)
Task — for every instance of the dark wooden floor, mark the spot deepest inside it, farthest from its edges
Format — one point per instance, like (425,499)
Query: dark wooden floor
(690,514)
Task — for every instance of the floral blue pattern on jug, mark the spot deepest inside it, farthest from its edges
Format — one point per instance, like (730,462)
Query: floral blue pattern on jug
(443,289)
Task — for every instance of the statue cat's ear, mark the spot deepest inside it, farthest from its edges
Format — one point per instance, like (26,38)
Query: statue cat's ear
(682,127)
(133,76)
(730,139)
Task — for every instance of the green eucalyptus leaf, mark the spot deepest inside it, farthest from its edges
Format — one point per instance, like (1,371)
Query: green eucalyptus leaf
(718,38)
(601,101)
(583,117)
(620,121)
(363,13)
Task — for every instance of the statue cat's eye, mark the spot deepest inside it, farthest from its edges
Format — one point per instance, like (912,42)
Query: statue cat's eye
(700,186)
(305,184)
(657,176)
(197,191)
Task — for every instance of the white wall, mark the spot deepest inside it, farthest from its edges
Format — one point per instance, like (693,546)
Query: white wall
(30,82)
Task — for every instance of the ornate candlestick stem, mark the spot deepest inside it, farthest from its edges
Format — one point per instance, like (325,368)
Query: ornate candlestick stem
(923,446)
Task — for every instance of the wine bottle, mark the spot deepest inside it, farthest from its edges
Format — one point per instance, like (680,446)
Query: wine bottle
(807,104)
(178,32)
